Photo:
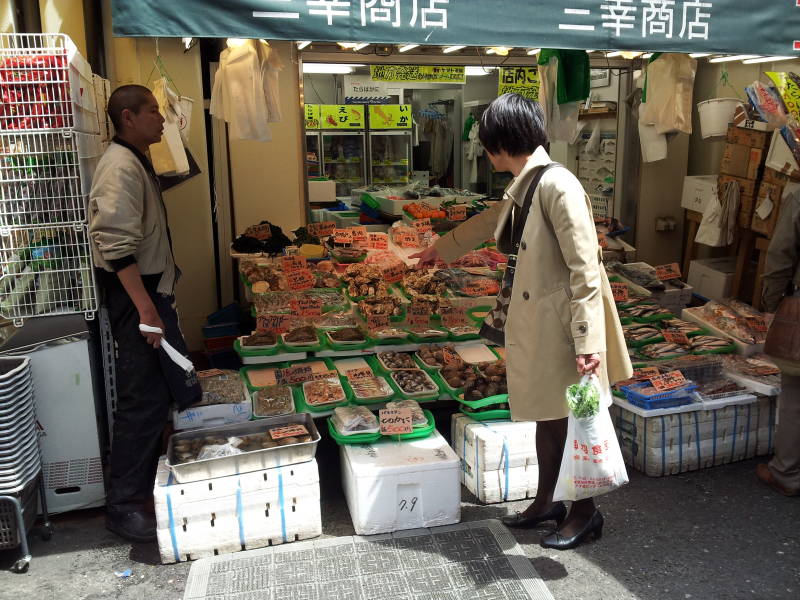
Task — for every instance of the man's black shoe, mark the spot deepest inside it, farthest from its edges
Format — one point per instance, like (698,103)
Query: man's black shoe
(134,526)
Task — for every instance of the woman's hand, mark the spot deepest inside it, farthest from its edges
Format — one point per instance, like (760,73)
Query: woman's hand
(427,258)
(588,364)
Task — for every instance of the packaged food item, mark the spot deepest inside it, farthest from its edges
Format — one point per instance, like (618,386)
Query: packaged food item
(414,382)
(347,335)
(259,340)
(387,333)
(221,387)
(465,330)
(370,388)
(273,401)
(417,416)
(301,335)
(352,420)
(337,319)
(323,391)
(433,356)
(365,280)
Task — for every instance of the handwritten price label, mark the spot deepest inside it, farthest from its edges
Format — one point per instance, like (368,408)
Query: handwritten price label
(295,375)
(260,232)
(325,375)
(675,336)
(275,323)
(377,321)
(293,263)
(279,433)
(646,373)
(453,316)
(408,239)
(756,323)
(668,381)
(302,279)
(419,313)
(480,288)
(359,233)
(324,229)
(394,273)
(620,291)
(209,373)
(360,373)
(378,241)
(395,421)
(667,272)
(457,212)
(306,306)
(422,225)
(343,236)
(764,371)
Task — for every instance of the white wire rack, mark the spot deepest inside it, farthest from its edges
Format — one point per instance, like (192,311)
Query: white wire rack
(40,179)
(46,271)
(42,83)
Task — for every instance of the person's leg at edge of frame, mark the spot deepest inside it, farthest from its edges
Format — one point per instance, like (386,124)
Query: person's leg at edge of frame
(785,465)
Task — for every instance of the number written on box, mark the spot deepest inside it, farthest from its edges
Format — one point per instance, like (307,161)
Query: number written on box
(668,381)
(620,291)
(306,306)
(378,241)
(275,323)
(324,229)
(302,279)
(666,272)
(395,421)
(675,336)
(293,263)
(278,433)
(457,212)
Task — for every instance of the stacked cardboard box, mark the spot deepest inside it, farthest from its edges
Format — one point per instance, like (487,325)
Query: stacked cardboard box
(768,202)
(742,162)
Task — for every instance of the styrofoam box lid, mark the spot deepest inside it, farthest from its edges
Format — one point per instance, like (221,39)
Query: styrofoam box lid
(430,454)
(493,428)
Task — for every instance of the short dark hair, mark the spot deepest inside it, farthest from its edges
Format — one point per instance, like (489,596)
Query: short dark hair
(131,97)
(515,124)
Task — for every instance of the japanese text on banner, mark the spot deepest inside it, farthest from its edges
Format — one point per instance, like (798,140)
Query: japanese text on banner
(519,80)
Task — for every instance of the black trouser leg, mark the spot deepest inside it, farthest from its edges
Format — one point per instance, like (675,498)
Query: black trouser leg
(550,438)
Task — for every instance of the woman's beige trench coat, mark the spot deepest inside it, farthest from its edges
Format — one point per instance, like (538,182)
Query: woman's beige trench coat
(561,304)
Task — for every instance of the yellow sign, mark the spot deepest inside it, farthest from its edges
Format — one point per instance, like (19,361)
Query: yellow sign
(344,116)
(390,116)
(519,80)
(434,74)
(312,116)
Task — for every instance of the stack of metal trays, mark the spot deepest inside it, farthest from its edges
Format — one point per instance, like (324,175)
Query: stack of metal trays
(20,459)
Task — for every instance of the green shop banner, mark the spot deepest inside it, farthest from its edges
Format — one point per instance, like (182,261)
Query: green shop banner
(770,27)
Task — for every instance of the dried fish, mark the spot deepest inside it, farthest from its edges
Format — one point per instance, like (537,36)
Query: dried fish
(705,343)
(664,350)
(685,327)
(640,333)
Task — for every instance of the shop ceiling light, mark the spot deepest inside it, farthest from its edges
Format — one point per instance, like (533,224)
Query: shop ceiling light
(471,71)
(347,45)
(646,55)
(499,50)
(721,59)
(329,68)
(764,59)
(700,54)
(235,42)
(534,51)
(303,45)
(614,54)
(450,49)
(359,46)
(407,47)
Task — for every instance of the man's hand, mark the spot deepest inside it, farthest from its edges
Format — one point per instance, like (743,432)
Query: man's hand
(588,364)
(151,318)
(427,258)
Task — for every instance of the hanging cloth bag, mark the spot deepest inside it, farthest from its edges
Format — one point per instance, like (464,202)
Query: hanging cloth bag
(169,155)
(719,219)
(493,328)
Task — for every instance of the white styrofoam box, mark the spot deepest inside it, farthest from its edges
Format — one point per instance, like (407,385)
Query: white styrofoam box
(240,512)
(688,440)
(758,387)
(698,190)
(392,485)
(695,315)
(495,445)
(492,487)
(212,415)
(84,107)
(322,191)
(712,277)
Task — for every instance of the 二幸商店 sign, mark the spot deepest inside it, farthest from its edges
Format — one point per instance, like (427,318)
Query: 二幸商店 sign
(719,26)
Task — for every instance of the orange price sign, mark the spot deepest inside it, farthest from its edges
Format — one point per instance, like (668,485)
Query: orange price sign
(275,323)
(360,373)
(666,272)
(620,291)
(293,263)
(260,232)
(453,316)
(359,233)
(278,433)
(408,239)
(668,381)
(675,336)
(306,306)
(419,313)
(395,421)
(377,321)
(343,236)
(646,373)
(756,323)
(394,273)
(302,279)
(457,212)
(378,241)
(422,225)
(324,229)
(325,375)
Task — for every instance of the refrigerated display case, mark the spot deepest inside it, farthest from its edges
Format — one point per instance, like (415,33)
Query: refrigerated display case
(390,144)
(343,159)
(313,155)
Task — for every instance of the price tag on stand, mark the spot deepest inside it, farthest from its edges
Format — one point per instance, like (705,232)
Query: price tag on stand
(668,381)
(453,316)
(419,313)
(293,263)
(325,375)
(450,357)
(302,279)
(360,373)
(377,321)
(457,212)
(277,324)
(395,421)
(260,232)
(422,225)
(278,433)
(675,336)
(408,239)
(306,306)
(646,373)
(667,272)
(296,374)
(756,323)
(321,230)
(343,236)
(394,273)
(210,373)
(480,288)
(620,291)
(359,233)
(378,241)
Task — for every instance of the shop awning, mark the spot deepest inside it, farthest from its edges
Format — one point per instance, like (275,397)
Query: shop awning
(769,27)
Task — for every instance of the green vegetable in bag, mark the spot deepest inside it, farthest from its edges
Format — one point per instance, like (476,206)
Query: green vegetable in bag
(583,398)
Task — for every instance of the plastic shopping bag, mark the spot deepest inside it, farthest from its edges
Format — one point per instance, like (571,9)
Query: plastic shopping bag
(592,464)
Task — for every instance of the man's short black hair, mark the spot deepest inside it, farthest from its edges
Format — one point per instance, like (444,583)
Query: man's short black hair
(515,124)
(131,97)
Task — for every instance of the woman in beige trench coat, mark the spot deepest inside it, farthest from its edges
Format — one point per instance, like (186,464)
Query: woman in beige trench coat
(561,322)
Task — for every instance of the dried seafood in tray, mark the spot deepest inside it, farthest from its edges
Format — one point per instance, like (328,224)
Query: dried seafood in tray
(370,388)
(301,335)
(685,327)
(388,333)
(351,335)
(490,381)
(351,420)
(640,333)
(417,416)
(414,382)
(390,306)
(423,282)
(709,343)
(730,316)
(263,277)
(664,350)
(214,446)
(273,401)
(644,311)
(365,280)
(641,275)
(323,391)
(759,368)
(456,375)
(464,283)
(434,356)
(259,340)
(221,387)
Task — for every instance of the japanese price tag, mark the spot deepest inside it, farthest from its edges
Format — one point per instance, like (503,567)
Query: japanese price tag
(457,212)
(646,373)
(343,236)
(756,323)
(378,241)
(422,225)
(666,272)
(602,240)
(395,421)
(324,229)
(408,239)
(394,273)
(453,316)
(675,336)
(620,291)
(302,279)
(209,373)
(479,288)
(275,323)
(278,433)
(377,321)
(359,233)
(293,263)
(325,375)
(260,232)
(419,313)
(360,373)
(668,381)
(306,306)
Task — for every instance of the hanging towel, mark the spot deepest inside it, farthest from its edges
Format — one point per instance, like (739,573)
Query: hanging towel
(573,82)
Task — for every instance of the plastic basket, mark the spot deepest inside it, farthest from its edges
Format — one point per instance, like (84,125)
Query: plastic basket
(10,536)
(351,440)
(668,399)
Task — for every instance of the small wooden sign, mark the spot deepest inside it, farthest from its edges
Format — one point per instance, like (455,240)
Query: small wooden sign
(457,212)
(675,336)
(668,381)
(667,272)
(275,323)
(320,230)
(395,421)
(620,291)
(278,433)
(306,306)
(302,279)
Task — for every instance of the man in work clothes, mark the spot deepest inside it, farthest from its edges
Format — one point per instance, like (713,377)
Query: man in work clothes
(136,269)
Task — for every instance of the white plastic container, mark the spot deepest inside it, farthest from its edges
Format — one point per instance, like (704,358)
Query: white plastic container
(230,514)
(505,485)
(716,114)
(392,486)
(491,445)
